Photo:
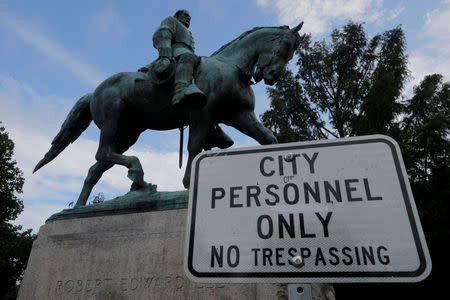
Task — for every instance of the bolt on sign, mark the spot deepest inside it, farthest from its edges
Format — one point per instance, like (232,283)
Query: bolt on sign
(327,211)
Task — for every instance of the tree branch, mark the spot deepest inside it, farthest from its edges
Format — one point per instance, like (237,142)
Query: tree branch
(327,130)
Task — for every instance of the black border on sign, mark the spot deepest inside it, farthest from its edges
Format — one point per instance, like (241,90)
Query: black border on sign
(402,274)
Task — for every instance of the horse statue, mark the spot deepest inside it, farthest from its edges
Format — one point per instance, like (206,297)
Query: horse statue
(127,103)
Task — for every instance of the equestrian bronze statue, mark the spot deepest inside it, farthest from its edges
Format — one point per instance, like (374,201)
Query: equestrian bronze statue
(127,103)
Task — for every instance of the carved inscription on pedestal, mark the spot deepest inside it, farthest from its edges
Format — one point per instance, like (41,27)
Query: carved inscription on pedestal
(126,285)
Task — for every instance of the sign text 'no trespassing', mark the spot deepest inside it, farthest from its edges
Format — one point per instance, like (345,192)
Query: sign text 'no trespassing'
(343,206)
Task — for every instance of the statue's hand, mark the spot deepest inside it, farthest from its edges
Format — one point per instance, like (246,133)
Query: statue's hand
(162,66)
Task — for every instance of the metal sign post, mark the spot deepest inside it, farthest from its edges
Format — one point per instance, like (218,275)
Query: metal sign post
(326,211)
(299,291)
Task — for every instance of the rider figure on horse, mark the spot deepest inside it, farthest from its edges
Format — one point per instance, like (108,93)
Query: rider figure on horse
(174,42)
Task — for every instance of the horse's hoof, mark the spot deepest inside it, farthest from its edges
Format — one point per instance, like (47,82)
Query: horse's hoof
(147,186)
(135,175)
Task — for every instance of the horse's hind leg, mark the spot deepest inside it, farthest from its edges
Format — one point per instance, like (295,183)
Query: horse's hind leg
(94,175)
(109,154)
(113,143)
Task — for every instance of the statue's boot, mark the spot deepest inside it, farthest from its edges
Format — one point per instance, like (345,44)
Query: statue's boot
(186,93)
(217,138)
(188,96)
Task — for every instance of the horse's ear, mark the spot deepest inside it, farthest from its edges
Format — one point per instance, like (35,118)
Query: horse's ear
(299,40)
(297,28)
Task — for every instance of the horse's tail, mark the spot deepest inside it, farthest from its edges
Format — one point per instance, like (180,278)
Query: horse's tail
(76,122)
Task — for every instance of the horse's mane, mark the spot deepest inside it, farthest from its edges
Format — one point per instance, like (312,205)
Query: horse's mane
(244,35)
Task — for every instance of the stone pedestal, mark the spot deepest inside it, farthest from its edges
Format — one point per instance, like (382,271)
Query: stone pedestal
(137,255)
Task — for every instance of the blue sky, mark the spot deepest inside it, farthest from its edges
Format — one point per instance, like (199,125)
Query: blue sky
(53,52)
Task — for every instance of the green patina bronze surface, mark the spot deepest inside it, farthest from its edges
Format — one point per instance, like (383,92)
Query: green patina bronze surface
(128,103)
(143,200)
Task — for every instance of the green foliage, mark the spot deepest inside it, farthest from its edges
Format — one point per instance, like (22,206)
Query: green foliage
(335,74)
(427,128)
(351,84)
(15,244)
(11,180)
(379,106)
(291,118)
(15,247)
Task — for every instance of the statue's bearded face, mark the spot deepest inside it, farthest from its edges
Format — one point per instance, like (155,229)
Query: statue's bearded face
(184,18)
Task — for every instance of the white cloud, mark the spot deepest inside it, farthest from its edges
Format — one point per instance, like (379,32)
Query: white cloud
(50,48)
(394,13)
(437,28)
(108,22)
(35,214)
(432,56)
(319,16)
(262,3)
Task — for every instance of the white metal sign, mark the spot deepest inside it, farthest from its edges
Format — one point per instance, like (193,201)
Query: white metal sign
(327,211)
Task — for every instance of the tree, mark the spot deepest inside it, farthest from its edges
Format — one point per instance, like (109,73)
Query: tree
(352,86)
(426,148)
(15,244)
(291,118)
(349,86)
(380,106)
(427,128)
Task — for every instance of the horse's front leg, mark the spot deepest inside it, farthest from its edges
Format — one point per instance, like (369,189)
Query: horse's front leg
(198,129)
(247,123)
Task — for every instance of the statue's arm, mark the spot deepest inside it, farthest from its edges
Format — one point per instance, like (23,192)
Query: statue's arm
(162,39)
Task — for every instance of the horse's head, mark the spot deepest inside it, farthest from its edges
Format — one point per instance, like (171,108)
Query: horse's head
(273,59)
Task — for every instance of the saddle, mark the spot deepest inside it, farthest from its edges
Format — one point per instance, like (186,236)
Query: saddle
(161,72)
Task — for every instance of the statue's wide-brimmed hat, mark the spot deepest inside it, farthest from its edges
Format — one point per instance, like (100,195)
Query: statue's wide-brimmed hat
(162,71)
